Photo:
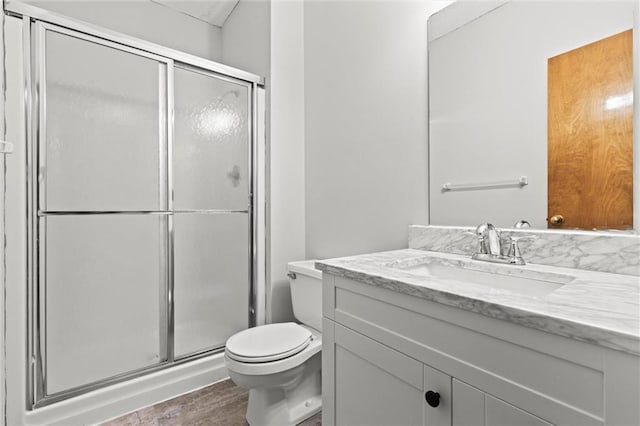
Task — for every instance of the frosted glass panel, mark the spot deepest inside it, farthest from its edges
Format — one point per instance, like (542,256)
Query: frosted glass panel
(211,279)
(102,127)
(103,295)
(210,142)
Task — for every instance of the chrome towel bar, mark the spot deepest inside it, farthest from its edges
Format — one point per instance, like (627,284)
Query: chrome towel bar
(520,182)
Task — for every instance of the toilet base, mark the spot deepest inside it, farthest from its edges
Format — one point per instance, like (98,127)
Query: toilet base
(288,405)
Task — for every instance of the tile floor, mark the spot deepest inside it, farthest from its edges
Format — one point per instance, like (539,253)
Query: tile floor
(221,404)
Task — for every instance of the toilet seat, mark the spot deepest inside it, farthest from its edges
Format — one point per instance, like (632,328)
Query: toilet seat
(283,364)
(268,343)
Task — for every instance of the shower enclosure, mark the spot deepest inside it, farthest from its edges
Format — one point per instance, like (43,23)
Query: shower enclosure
(141,194)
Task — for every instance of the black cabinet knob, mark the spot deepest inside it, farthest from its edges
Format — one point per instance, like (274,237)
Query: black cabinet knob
(433,398)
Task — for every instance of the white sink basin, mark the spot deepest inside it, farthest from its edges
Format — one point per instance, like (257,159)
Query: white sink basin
(530,283)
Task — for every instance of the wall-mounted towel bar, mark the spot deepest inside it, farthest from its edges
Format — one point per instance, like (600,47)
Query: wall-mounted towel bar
(6,147)
(520,182)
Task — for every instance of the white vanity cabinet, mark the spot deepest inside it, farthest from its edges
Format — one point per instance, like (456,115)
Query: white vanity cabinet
(383,351)
(376,385)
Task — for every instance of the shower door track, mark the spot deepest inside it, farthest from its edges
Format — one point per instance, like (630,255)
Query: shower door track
(36,381)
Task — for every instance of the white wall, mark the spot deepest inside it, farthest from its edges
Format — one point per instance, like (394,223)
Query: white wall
(287,147)
(489,105)
(145,20)
(365,124)
(246,37)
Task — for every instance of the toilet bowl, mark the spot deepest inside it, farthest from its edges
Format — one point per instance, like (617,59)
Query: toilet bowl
(280,363)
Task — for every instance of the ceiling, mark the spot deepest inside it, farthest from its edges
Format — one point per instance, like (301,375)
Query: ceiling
(214,12)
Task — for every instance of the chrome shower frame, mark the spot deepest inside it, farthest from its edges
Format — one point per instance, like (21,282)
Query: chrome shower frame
(36,22)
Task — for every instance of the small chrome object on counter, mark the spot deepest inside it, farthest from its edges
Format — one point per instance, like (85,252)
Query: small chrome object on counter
(522,224)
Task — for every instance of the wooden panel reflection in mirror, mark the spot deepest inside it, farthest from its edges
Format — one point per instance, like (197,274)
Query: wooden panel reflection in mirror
(590,135)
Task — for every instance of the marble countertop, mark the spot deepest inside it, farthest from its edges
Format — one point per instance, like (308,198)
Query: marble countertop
(593,307)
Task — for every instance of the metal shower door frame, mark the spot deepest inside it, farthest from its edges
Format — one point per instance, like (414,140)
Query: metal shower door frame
(36,22)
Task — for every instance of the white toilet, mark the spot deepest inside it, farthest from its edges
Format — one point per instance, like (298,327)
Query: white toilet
(280,363)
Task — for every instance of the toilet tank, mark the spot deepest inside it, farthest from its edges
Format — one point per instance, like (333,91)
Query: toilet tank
(306,293)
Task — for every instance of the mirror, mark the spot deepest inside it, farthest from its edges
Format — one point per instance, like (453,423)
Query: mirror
(531,114)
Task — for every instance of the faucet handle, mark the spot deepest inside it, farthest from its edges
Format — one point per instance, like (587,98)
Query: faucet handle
(515,257)
(514,253)
(482,249)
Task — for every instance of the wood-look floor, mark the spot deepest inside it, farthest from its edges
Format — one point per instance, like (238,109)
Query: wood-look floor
(221,404)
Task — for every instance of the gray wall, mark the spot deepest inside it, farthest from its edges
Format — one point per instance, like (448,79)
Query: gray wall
(365,124)
(287,145)
(145,20)
(246,37)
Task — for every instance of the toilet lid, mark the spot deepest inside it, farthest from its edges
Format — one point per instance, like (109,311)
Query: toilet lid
(268,342)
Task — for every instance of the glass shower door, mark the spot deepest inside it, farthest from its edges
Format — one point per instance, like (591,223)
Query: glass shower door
(141,216)
(212,222)
(102,209)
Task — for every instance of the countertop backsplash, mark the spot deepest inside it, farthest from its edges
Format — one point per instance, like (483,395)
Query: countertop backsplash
(587,250)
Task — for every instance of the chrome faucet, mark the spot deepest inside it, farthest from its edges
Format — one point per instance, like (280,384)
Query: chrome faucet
(490,246)
(488,239)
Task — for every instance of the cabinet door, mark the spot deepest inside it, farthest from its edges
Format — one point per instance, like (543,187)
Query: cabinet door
(374,384)
(499,413)
(436,411)
(468,405)
(472,407)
